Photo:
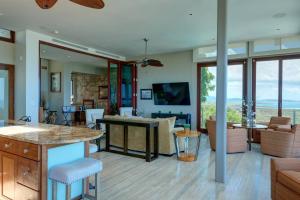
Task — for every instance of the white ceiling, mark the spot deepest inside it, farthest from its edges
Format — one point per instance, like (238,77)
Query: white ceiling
(121,25)
(53,53)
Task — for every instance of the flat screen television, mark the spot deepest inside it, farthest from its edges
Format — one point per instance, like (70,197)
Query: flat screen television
(171,93)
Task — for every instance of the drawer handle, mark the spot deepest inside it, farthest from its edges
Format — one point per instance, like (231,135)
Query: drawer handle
(6,146)
(25,151)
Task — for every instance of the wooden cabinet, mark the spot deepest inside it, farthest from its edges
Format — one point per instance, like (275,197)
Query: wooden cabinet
(19,170)
(8,169)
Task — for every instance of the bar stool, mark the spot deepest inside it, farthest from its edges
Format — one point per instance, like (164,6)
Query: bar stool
(74,171)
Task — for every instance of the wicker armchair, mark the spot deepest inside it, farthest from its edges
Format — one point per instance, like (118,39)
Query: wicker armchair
(282,142)
(236,138)
(275,123)
(285,179)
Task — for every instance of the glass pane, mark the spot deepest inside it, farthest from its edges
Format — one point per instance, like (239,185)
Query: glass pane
(291,89)
(267,73)
(234,93)
(113,88)
(5,33)
(290,42)
(266,45)
(4,95)
(126,89)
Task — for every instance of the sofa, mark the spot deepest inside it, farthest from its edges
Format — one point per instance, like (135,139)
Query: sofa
(274,124)
(236,138)
(281,142)
(285,179)
(137,136)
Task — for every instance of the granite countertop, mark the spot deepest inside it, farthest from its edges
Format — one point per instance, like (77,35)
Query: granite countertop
(43,134)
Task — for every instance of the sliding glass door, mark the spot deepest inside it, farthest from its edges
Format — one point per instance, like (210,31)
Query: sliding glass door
(276,88)
(266,84)
(291,89)
(236,90)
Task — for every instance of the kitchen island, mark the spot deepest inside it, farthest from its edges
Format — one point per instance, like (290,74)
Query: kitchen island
(28,151)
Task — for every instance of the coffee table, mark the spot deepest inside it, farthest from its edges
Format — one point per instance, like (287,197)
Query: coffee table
(250,130)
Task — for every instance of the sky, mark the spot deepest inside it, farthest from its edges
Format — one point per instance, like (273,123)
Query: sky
(267,80)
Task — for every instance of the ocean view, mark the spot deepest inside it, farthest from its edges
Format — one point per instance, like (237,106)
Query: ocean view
(268,103)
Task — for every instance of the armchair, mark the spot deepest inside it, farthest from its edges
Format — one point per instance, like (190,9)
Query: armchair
(281,143)
(91,116)
(236,138)
(275,123)
(285,179)
(126,111)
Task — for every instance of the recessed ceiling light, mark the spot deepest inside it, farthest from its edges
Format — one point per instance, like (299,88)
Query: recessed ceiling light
(279,15)
(56,32)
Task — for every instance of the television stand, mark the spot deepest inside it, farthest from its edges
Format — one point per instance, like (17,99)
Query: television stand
(181,119)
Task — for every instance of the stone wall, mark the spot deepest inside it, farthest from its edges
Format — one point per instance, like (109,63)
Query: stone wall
(86,86)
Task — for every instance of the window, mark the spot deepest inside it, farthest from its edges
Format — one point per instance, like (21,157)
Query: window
(291,89)
(236,91)
(267,74)
(277,87)
(7,35)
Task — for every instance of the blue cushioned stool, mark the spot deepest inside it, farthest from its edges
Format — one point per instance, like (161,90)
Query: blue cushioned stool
(74,171)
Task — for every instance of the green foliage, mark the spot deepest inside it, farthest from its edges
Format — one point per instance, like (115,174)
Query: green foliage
(206,83)
(232,114)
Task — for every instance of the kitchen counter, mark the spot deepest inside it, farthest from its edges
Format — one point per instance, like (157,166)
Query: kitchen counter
(44,134)
(28,151)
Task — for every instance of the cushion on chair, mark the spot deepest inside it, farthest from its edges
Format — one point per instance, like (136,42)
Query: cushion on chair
(290,179)
(93,148)
(73,171)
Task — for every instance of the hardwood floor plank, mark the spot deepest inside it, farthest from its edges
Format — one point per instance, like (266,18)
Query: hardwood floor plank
(127,178)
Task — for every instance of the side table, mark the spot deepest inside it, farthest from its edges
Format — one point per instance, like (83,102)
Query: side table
(189,153)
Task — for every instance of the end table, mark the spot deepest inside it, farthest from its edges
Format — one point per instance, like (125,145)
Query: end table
(190,153)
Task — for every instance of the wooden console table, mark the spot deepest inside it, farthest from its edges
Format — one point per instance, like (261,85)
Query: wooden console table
(125,123)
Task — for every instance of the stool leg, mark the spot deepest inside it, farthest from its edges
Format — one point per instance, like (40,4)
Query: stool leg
(68,192)
(54,190)
(97,186)
(83,188)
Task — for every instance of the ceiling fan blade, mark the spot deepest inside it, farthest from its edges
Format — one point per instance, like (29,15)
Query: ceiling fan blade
(97,4)
(131,62)
(45,4)
(155,63)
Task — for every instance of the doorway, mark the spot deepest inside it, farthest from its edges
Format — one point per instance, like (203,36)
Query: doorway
(7,75)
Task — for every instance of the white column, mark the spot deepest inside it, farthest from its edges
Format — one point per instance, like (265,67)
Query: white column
(222,61)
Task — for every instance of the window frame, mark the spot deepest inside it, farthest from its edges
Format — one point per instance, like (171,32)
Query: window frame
(11,39)
(213,64)
(280,59)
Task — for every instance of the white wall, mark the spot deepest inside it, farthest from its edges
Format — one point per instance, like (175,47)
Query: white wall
(178,67)
(7,53)
(20,77)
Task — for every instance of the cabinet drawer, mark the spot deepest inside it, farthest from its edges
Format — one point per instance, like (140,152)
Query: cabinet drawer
(8,145)
(28,173)
(28,150)
(24,193)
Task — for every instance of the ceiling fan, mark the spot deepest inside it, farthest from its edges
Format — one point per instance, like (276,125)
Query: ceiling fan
(97,4)
(146,61)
